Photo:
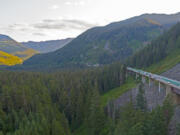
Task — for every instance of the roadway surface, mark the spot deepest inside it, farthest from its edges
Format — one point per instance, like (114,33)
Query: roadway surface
(162,79)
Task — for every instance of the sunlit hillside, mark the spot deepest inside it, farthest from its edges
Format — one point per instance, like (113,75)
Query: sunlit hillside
(8,59)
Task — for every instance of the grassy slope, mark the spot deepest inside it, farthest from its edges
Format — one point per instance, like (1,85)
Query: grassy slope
(8,59)
(117,92)
(166,64)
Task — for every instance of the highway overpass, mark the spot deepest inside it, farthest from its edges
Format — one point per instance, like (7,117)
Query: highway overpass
(172,86)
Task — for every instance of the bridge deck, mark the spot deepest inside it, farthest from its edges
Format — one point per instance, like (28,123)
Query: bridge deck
(162,79)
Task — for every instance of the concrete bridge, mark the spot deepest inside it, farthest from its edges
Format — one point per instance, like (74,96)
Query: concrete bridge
(172,86)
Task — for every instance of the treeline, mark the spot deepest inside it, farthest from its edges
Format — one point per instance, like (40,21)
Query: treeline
(56,103)
(158,49)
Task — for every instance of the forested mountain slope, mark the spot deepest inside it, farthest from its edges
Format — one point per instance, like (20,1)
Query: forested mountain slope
(165,49)
(9,45)
(47,46)
(103,45)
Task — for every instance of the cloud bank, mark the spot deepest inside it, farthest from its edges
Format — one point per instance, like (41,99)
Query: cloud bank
(49,28)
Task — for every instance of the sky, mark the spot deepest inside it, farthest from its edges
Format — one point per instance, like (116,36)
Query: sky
(40,20)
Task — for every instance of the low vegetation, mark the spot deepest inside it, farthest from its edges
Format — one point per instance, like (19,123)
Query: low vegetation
(117,92)
(169,62)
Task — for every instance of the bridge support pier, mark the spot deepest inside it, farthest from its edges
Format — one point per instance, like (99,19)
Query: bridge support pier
(159,87)
(143,79)
(137,75)
(150,82)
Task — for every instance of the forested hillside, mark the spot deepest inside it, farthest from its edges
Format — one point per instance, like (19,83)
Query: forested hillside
(97,46)
(166,45)
(104,45)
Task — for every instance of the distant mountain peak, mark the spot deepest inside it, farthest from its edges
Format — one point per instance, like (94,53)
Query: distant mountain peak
(47,46)
(4,37)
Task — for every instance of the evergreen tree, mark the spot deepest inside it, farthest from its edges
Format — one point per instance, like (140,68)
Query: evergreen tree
(96,118)
(141,100)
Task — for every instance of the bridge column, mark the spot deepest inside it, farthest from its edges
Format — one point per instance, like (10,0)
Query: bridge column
(150,82)
(159,87)
(143,79)
(137,75)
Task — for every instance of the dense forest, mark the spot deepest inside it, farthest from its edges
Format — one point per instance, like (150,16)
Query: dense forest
(61,103)
(56,103)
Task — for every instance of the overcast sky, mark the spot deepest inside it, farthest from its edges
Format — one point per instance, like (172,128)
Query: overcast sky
(39,20)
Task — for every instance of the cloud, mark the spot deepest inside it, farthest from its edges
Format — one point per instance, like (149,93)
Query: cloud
(54,7)
(76,3)
(23,27)
(47,29)
(52,24)
(68,3)
(39,34)
(63,24)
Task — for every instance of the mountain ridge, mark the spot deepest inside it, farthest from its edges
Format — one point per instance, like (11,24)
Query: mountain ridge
(87,45)
(47,46)
(105,45)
